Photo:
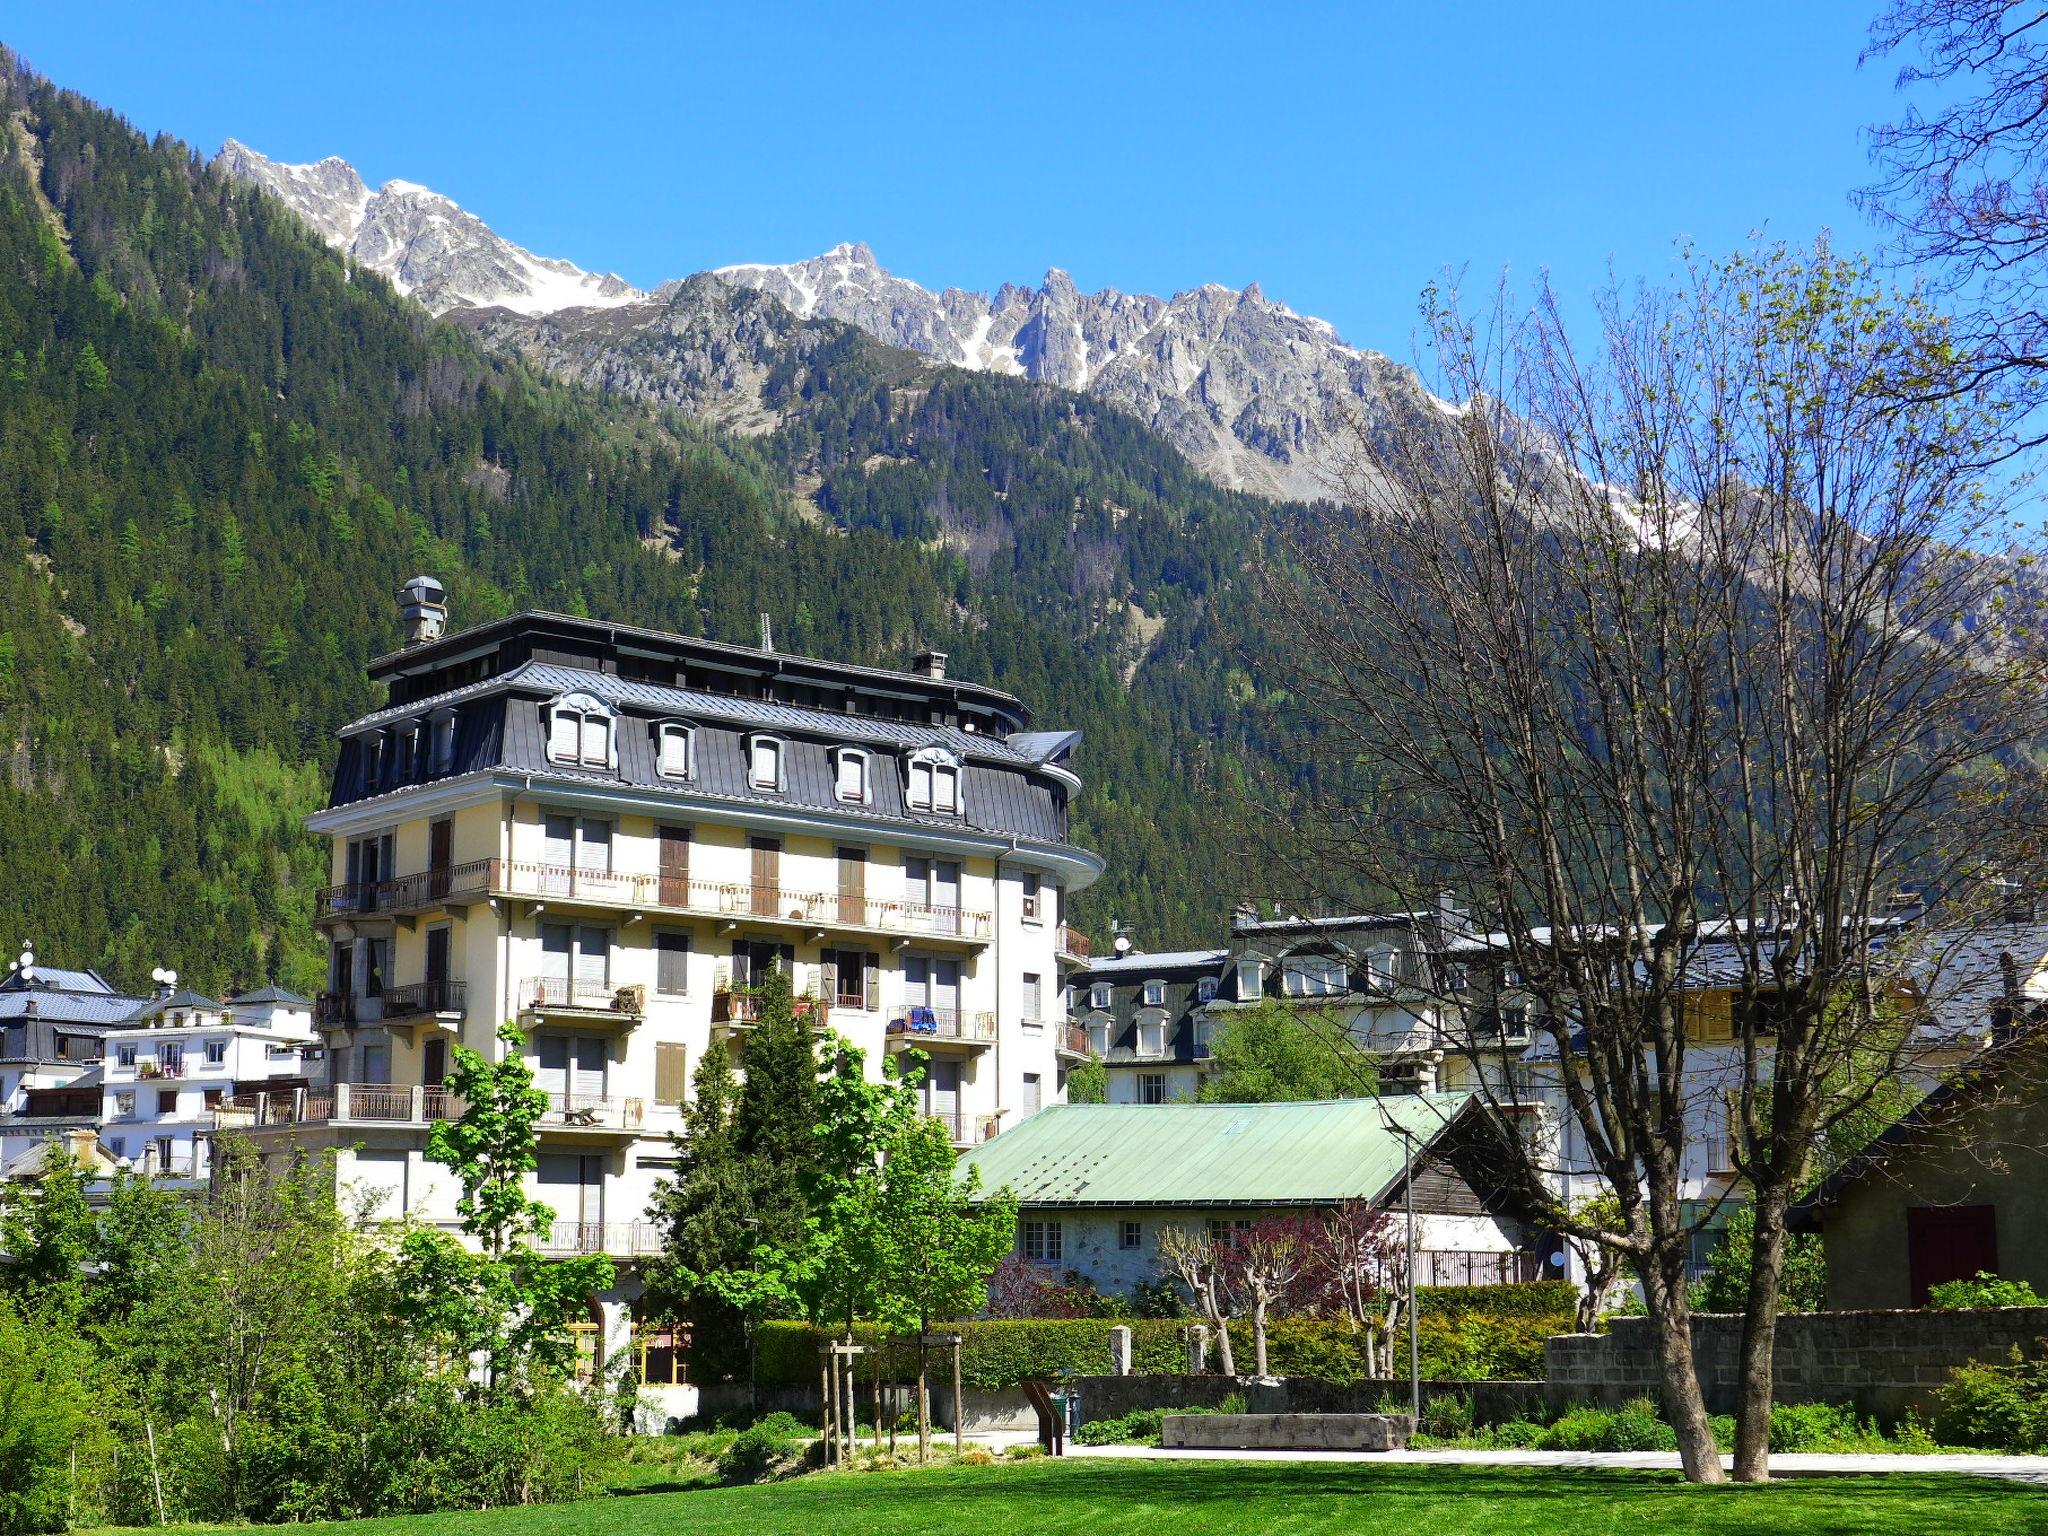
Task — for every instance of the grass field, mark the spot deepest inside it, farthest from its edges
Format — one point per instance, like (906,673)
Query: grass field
(1137,1498)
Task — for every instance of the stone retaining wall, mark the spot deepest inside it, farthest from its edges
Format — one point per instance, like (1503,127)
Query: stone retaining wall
(1111,1397)
(1885,1363)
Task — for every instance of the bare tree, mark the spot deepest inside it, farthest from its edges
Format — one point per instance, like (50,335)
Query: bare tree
(1198,1262)
(1689,650)
(1267,1262)
(1964,186)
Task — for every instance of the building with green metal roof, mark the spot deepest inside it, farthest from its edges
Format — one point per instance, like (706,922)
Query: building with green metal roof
(1097,1183)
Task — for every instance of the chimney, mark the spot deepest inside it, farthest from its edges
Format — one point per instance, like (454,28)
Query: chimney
(929,663)
(423,605)
(81,1144)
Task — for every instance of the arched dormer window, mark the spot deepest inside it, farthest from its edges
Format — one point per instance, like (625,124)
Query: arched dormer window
(1313,975)
(850,782)
(675,750)
(765,755)
(442,722)
(580,731)
(933,781)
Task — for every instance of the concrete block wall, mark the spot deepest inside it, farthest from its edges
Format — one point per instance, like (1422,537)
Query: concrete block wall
(1885,1363)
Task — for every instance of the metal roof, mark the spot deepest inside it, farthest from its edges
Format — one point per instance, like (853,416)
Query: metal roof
(50,978)
(1165,960)
(186,1000)
(271,995)
(1211,1155)
(548,678)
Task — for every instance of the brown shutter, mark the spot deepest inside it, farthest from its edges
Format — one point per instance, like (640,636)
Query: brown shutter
(670,1074)
(675,866)
(767,868)
(853,885)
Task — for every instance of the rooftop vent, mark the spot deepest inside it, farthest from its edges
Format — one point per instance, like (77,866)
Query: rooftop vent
(423,605)
(929,663)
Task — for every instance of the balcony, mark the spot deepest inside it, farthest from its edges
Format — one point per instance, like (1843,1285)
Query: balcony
(922,1028)
(581,1002)
(619,1239)
(966,1129)
(1071,947)
(587,1117)
(565,885)
(1072,1042)
(343,1104)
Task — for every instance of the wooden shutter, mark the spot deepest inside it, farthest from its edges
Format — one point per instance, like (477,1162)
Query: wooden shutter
(871,981)
(672,963)
(675,866)
(853,885)
(828,977)
(671,1075)
(767,871)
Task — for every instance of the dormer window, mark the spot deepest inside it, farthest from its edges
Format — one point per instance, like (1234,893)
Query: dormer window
(1205,990)
(1251,980)
(850,776)
(373,761)
(1099,995)
(934,782)
(580,731)
(444,741)
(1155,994)
(1313,976)
(674,750)
(764,761)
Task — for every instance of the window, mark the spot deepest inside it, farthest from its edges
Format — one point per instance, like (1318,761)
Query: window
(1099,995)
(580,731)
(1034,1093)
(118,1145)
(444,741)
(934,781)
(671,963)
(1041,1242)
(1130,1234)
(1205,990)
(1313,976)
(213,1097)
(1151,1087)
(854,978)
(1033,990)
(673,748)
(1155,994)
(1251,980)
(125,1055)
(850,775)
(1224,1234)
(172,1055)
(1383,967)
(167,1101)
(379,952)
(124,1105)
(1031,898)
(216,1052)
(764,762)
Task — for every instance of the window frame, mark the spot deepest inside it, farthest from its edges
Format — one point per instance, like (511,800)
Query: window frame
(938,765)
(1154,993)
(677,730)
(583,708)
(1205,989)
(755,741)
(1149,1084)
(842,757)
(1130,1235)
(1101,994)
(1044,1234)
(655,942)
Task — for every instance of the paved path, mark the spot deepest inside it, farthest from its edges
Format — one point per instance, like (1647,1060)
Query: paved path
(2029,1469)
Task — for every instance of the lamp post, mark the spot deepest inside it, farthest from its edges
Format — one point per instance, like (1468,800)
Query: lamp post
(753,1335)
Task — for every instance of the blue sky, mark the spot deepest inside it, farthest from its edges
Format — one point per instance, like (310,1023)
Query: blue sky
(1339,155)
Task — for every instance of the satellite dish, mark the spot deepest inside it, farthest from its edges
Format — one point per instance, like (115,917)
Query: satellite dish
(1557,1259)
(1123,943)
(157,974)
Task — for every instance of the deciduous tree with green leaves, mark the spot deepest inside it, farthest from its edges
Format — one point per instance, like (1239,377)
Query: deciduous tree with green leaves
(504,1302)
(1276,1052)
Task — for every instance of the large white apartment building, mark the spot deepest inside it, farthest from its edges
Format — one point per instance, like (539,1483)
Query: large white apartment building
(610,835)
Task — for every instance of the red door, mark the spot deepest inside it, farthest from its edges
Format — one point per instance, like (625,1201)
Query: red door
(1949,1242)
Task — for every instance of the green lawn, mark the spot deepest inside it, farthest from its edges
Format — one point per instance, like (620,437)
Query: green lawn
(1138,1498)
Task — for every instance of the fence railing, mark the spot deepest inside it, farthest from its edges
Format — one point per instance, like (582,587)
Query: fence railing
(594,1112)
(344,1103)
(421,997)
(1073,943)
(1448,1267)
(679,893)
(590,996)
(1073,1040)
(619,1238)
(967,1129)
(922,1023)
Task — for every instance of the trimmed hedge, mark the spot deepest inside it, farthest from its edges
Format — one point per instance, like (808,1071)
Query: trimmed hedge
(1467,1333)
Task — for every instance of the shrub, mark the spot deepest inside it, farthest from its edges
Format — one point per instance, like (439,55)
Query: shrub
(782,1423)
(753,1454)
(1986,1290)
(1995,1407)
(1447,1417)
(1515,1435)
(1025,1452)
(976,1456)
(1822,1427)
(1138,1427)
(1634,1426)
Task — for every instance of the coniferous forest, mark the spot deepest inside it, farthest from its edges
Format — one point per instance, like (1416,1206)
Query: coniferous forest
(222,450)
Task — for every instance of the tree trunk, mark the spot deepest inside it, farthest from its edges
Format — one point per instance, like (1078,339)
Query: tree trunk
(1754,1367)
(1223,1354)
(924,1404)
(1663,1277)
(1259,1336)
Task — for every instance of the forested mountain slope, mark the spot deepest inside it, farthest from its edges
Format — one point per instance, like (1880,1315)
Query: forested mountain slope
(221,449)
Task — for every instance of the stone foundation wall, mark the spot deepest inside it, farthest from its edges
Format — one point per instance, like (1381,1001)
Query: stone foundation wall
(1885,1363)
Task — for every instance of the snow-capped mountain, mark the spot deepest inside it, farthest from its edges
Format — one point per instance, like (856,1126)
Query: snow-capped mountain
(1259,397)
(428,246)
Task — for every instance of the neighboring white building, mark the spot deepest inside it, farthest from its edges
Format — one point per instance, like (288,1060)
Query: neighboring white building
(53,1023)
(610,835)
(182,1058)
